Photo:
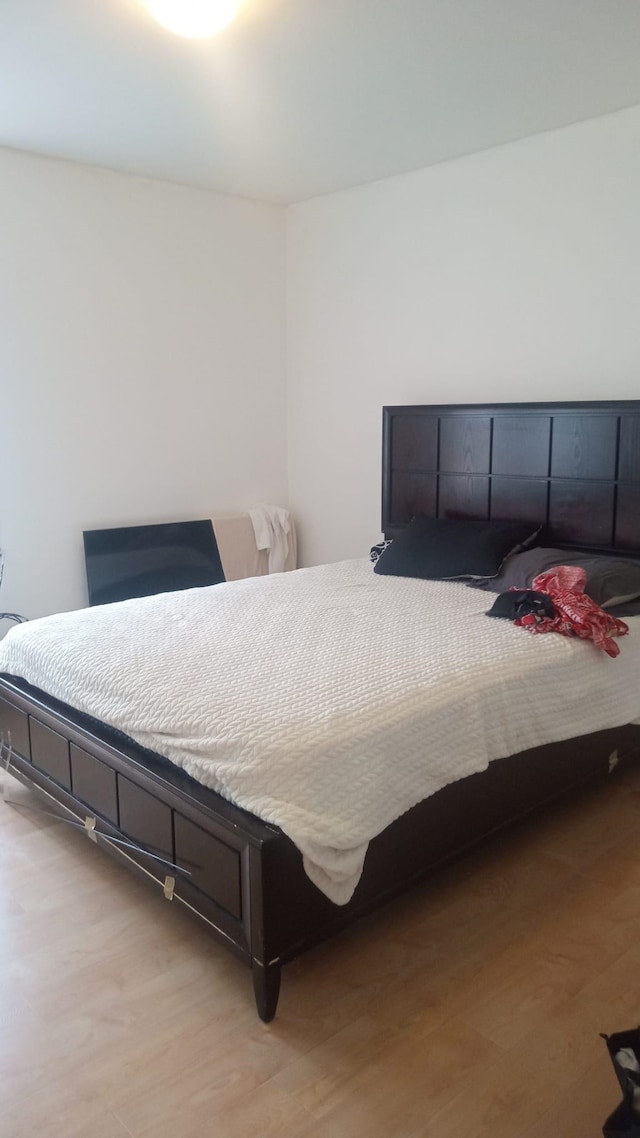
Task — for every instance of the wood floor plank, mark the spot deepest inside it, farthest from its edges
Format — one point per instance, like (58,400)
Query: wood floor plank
(265,1110)
(121,1018)
(494,1102)
(614,993)
(417,1071)
(580,1110)
(97,1126)
(321,1074)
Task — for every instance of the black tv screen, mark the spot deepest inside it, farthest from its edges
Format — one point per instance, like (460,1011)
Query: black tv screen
(140,561)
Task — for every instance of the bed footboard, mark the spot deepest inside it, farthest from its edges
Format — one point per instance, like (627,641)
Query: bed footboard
(204,855)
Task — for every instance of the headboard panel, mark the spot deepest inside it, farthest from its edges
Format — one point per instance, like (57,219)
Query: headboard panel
(573,467)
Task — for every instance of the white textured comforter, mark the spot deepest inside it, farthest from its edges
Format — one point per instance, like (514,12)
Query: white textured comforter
(328,700)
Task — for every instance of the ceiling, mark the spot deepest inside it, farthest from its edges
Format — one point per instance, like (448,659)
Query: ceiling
(303,97)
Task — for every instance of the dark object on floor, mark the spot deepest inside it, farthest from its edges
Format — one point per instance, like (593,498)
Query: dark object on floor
(621,1124)
(624,1051)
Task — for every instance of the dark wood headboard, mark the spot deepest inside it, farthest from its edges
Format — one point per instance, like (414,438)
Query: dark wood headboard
(574,467)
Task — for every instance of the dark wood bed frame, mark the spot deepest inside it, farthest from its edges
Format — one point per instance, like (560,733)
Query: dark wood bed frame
(575,468)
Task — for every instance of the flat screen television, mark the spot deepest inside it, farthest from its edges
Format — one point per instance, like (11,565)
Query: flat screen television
(140,561)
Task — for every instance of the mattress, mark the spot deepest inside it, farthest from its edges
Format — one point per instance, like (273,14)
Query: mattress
(329,700)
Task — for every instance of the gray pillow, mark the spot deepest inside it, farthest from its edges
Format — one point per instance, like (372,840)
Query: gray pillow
(611,581)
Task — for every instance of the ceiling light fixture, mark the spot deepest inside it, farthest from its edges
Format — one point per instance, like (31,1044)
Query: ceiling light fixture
(194,19)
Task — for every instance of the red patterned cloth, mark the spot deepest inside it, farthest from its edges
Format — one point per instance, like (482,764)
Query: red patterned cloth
(576,614)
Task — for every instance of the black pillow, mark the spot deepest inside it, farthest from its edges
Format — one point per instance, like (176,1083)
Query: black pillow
(611,581)
(444,549)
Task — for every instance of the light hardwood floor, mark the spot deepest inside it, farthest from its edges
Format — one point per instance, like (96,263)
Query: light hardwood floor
(471,1007)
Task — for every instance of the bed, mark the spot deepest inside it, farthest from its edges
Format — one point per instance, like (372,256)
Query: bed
(574,468)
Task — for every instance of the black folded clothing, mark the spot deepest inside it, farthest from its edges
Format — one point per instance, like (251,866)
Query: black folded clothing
(522,602)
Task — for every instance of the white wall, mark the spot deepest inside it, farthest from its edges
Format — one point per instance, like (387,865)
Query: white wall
(142,371)
(511,275)
(142,355)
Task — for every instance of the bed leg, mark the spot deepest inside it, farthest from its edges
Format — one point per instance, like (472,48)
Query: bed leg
(266,988)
